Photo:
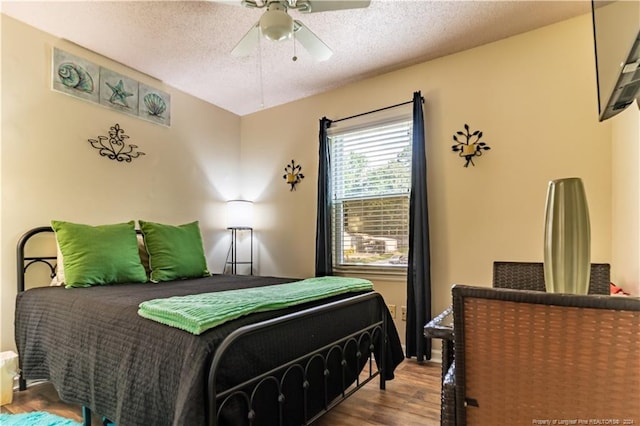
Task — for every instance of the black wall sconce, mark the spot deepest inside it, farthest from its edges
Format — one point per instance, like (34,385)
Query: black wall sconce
(293,174)
(113,146)
(470,147)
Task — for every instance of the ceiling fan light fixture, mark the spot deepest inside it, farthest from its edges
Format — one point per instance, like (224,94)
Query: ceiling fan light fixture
(276,25)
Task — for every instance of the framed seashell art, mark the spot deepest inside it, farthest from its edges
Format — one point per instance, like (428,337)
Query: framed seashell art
(154,104)
(83,79)
(118,91)
(75,76)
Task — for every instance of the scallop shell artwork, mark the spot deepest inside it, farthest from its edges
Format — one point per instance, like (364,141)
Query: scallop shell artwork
(155,104)
(75,77)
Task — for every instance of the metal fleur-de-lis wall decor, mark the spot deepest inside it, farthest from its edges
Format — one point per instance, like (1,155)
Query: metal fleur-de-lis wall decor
(471,146)
(114,147)
(293,174)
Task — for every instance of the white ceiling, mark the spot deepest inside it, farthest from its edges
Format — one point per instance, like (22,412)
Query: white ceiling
(186,44)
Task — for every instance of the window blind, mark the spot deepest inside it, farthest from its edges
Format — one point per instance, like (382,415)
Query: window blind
(371,181)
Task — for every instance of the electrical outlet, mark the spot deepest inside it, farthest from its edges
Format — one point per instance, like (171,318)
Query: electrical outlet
(392,310)
(403,311)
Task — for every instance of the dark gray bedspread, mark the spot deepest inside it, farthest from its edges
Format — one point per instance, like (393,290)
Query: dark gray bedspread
(98,352)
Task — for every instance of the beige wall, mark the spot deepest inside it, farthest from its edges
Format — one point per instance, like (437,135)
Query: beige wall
(49,170)
(533,96)
(625,203)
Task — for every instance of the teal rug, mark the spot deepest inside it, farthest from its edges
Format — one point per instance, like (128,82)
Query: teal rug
(37,418)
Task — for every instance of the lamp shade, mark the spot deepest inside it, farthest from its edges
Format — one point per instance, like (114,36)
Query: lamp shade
(239,214)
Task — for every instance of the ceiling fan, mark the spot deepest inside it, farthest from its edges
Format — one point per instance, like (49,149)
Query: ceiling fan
(276,24)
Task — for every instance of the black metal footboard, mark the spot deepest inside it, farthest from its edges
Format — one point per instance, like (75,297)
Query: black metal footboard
(364,347)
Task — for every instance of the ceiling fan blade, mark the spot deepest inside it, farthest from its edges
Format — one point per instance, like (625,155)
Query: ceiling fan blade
(311,6)
(248,43)
(311,42)
(245,3)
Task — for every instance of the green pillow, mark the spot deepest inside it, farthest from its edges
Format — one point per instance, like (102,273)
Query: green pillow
(95,255)
(175,252)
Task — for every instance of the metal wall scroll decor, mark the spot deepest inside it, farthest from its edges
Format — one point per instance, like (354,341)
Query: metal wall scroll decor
(469,147)
(293,174)
(113,146)
(83,79)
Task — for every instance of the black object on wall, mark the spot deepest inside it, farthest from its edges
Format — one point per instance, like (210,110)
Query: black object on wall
(114,147)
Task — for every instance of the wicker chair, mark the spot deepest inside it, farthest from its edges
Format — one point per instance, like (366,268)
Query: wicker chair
(523,356)
(513,275)
(530,276)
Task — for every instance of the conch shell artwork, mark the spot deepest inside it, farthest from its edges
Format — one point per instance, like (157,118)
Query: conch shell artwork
(75,77)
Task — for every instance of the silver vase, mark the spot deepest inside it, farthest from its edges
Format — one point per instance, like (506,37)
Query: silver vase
(567,238)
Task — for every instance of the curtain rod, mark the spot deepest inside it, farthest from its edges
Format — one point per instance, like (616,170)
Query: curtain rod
(375,110)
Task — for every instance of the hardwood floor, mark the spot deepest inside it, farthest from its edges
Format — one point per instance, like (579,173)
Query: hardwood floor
(43,397)
(412,398)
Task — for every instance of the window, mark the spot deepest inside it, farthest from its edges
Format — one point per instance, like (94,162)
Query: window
(370,184)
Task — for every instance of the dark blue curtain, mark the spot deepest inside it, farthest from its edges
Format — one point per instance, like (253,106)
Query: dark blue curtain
(419,266)
(324,262)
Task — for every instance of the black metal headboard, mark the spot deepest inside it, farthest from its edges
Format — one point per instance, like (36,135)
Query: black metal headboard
(25,261)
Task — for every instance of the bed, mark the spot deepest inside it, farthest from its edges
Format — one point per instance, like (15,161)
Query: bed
(286,366)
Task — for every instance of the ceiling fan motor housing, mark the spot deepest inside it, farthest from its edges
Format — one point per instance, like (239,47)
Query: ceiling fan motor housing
(275,23)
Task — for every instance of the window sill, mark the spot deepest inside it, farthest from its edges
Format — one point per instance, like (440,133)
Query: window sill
(372,272)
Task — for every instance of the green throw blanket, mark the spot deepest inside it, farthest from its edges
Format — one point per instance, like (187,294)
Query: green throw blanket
(197,313)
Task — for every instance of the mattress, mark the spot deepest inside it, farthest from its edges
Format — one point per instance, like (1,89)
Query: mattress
(98,352)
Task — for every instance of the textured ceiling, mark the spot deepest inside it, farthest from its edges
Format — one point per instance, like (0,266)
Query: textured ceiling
(186,44)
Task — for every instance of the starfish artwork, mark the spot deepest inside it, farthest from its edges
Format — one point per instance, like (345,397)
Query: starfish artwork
(119,95)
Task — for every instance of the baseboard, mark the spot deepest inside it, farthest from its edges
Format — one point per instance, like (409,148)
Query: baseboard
(436,355)
(16,383)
